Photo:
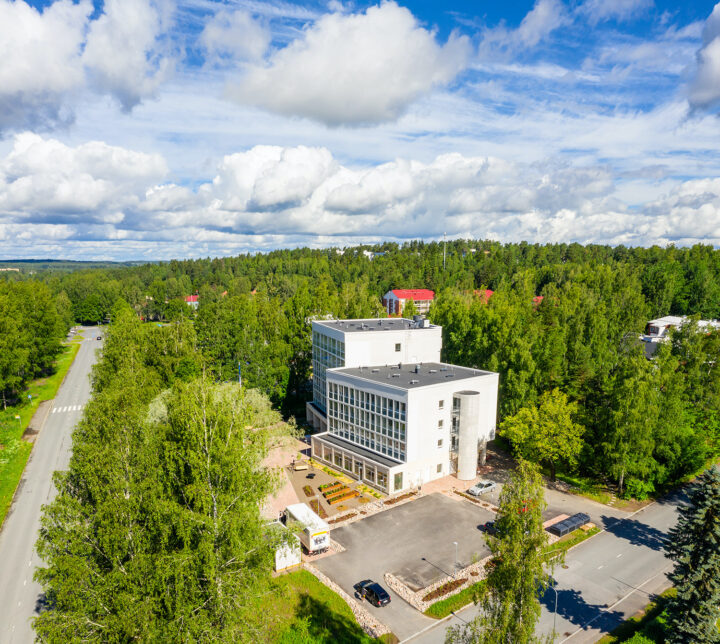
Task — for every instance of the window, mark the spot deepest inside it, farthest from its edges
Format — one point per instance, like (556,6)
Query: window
(382,480)
(441,404)
(398,346)
(440,443)
(439,468)
(398,481)
(440,424)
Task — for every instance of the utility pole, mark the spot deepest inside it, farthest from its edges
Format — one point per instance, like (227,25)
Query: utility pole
(444,245)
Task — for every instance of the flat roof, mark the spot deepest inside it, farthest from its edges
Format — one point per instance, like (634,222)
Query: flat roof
(360,451)
(373,324)
(412,376)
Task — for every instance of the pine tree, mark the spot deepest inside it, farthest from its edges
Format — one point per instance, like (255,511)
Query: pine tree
(694,545)
(516,577)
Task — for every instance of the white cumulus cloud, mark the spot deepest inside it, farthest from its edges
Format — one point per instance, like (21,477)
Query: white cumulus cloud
(48,57)
(354,68)
(39,60)
(705,89)
(122,54)
(269,195)
(45,180)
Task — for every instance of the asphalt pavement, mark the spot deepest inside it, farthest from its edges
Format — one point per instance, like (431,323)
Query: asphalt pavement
(608,578)
(20,596)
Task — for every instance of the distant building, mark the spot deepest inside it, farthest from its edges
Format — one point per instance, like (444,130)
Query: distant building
(192,301)
(394,301)
(658,330)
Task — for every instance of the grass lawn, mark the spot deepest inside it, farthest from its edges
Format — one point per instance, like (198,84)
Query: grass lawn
(314,614)
(455,602)
(564,544)
(15,452)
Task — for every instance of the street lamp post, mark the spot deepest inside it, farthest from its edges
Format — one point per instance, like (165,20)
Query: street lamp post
(555,614)
(456,560)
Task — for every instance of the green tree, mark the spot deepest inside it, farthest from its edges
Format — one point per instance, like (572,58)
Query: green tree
(547,432)
(694,545)
(517,577)
(409,309)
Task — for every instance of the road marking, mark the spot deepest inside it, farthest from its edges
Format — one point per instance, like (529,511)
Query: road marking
(620,555)
(600,567)
(25,583)
(584,627)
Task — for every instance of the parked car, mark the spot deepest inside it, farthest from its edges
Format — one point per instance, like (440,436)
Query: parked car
(482,487)
(373,592)
(311,475)
(99,337)
(490,527)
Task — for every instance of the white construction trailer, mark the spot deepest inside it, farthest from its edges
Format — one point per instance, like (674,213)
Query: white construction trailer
(314,533)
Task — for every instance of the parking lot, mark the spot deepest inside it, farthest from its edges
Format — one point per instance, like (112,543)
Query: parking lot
(415,542)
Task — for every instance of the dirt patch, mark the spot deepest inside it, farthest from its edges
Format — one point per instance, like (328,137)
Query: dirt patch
(445,589)
(37,422)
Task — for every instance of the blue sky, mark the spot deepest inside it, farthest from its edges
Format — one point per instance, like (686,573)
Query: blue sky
(134,129)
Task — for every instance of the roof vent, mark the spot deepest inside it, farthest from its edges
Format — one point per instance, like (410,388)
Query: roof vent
(414,382)
(450,375)
(399,365)
(443,368)
(417,368)
(375,370)
(396,375)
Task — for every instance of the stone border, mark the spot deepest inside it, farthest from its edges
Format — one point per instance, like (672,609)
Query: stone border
(415,598)
(372,626)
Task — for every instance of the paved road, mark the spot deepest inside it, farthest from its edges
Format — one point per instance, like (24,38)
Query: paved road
(607,579)
(18,559)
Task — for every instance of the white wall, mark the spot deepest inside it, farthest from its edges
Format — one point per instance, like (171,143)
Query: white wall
(372,348)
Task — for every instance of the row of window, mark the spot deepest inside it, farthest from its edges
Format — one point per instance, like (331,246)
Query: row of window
(360,469)
(326,343)
(365,400)
(322,361)
(381,444)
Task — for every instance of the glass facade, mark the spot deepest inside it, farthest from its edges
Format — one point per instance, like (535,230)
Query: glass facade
(372,421)
(327,353)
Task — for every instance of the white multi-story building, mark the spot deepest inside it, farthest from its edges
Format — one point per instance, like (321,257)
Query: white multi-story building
(396,424)
(355,343)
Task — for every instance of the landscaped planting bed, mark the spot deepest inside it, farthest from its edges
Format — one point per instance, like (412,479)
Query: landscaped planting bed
(308,490)
(318,509)
(397,499)
(329,487)
(346,496)
(445,589)
(335,493)
(344,517)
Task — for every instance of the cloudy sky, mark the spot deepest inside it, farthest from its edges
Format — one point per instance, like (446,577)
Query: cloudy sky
(154,129)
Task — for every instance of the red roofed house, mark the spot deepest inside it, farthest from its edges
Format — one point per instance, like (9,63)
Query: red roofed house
(192,300)
(394,301)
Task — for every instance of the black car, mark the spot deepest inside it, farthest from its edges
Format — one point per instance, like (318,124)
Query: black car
(373,592)
(489,527)
(99,337)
